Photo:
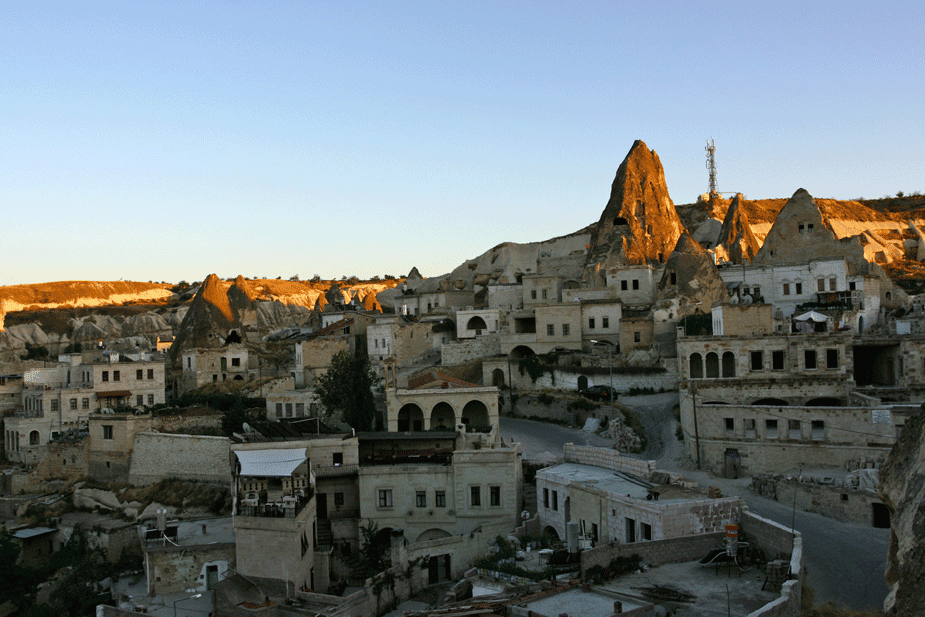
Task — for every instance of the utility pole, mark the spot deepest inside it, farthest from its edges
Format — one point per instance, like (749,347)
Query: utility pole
(693,390)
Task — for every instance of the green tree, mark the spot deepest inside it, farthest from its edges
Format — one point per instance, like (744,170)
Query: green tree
(347,387)
(36,352)
(74,348)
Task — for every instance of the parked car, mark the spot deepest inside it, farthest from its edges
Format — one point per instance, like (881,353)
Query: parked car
(599,393)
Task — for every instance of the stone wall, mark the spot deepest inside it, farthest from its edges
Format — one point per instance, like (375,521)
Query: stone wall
(607,459)
(175,570)
(464,350)
(658,552)
(567,378)
(845,503)
(158,456)
(775,539)
(63,461)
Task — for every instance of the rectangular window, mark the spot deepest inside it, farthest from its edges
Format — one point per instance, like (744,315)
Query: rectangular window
(288,410)
(623,286)
(338,499)
(833,283)
(831,358)
(105,375)
(139,374)
(550,330)
(605,322)
(749,428)
(757,360)
(799,289)
(590,323)
(786,289)
(107,431)
(385,498)
(777,360)
(820,285)
(565,329)
(555,501)
(440,499)
(809,359)
(189,362)
(494,495)
(546,498)
(730,426)
(770,429)
(635,283)
(236,362)
(793,429)
(637,337)
(279,410)
(533,294)
(150,373)
(420,499)
(475,493)
(86,403)
(852,286)
(73,404)
(115,375)
(338,459)
(818,427)
(150,399)
(646,529)
(544,294)
(139,400)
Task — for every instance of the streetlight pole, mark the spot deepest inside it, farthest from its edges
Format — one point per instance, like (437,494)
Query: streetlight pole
(198,595)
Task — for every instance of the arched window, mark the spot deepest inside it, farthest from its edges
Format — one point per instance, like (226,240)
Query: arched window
(33,438)
(729,364)
(712,365)
(696,366)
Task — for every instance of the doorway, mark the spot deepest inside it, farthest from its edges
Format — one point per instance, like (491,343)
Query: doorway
(880,515)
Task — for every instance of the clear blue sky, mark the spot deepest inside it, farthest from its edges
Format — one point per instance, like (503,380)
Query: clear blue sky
(164,141)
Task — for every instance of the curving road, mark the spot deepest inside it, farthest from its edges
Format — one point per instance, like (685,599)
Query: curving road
(844,562)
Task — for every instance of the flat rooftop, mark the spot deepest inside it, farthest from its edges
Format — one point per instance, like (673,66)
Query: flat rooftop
(617,483)
(204,531)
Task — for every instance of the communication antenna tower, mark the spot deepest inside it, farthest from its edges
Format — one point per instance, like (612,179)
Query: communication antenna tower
(711,165)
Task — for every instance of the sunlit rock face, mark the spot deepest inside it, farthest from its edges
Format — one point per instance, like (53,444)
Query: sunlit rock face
(639,224)
(735,236)
(902,488)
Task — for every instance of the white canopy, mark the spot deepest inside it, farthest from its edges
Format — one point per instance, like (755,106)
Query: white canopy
(812,316)
(270,463)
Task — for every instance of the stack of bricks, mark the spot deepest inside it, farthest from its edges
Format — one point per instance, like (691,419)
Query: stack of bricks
(607,459)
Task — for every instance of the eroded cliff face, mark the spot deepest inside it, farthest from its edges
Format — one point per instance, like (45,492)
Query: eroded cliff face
(902,488)
(639,224)
(736,241)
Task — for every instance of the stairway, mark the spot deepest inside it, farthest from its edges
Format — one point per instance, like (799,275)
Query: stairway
(323,531)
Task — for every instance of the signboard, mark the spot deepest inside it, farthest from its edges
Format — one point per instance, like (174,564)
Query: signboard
(732,531)
(881,416)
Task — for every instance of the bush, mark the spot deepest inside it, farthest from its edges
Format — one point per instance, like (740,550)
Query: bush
(581,404)
(618,566)
(544,398)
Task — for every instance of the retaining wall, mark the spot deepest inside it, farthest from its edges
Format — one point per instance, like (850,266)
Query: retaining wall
(159,456)
(607,459)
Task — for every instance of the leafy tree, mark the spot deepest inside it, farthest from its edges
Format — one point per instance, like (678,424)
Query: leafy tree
(36,352)
(13,582)
(74,348)
(347,388)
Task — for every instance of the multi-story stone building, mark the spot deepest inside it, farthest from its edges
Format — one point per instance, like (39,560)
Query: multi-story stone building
(60,398)
(204,366)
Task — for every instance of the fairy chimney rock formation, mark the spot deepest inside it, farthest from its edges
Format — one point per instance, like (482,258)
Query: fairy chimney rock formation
(800,233)
(210,317)
(639,224)
(690,282)
(736,235)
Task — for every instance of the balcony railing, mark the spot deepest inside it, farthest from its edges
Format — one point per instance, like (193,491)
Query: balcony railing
(335,470)
(289,507)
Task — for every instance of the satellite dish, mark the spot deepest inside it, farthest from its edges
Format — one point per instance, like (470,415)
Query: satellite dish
(246,427)
(747,300)
(734,300)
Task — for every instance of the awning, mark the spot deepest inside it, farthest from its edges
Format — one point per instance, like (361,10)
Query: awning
(270,463)
(113,394)
(812,316)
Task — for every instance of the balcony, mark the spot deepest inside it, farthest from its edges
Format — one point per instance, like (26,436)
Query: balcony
(289,507)
(335,470)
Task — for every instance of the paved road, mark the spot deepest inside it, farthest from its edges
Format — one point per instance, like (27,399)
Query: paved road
(844,562)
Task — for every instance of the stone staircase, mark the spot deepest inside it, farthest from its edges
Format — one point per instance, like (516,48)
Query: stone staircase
(323,531)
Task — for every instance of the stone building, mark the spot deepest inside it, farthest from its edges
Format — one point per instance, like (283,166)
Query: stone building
(203,366)
(187,556)
(60,398)
(618,500)
(406,340)
(752,403)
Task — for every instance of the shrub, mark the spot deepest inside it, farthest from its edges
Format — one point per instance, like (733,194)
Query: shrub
(581,404)
(545,398)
